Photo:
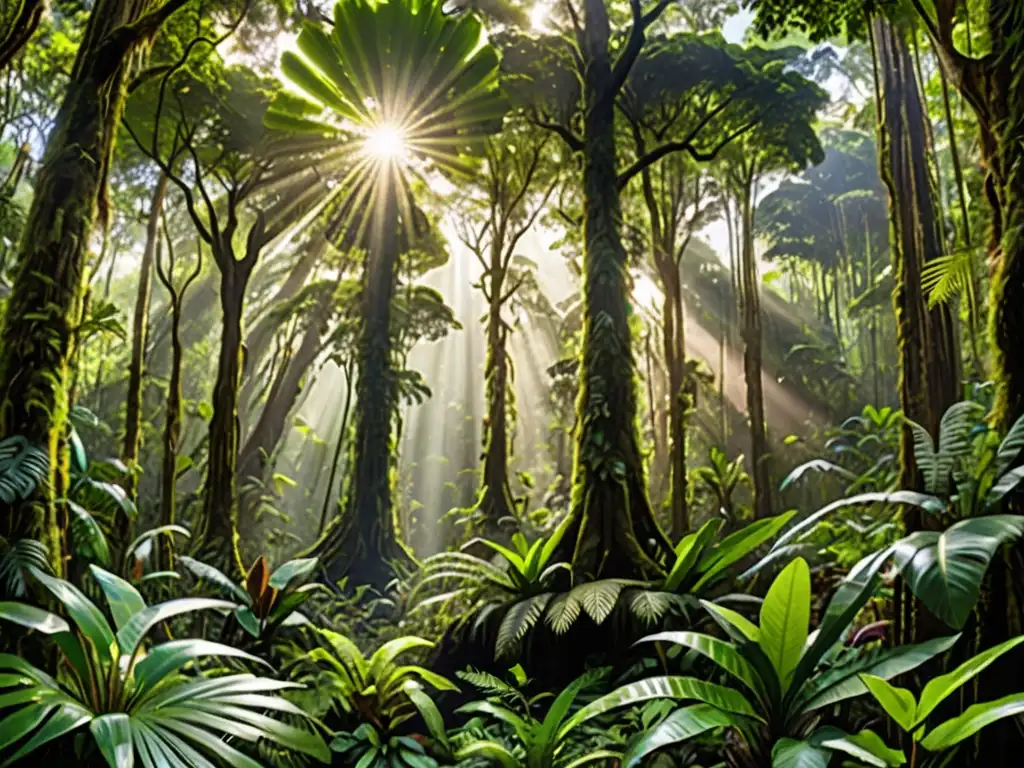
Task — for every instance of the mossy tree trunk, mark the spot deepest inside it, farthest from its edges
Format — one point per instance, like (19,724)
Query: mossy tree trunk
(38,335)
(991,85)
(364,542)
(927,338)
(496,500)
(611,529)
(140,328)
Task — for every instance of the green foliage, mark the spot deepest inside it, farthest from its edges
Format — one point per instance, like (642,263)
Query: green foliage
(17,559)
(442,95)
(135,699)
(911,714)
(537,742)
(268,600)
(522,589)
(780,673)
(723,478)
(378,690)
(365,747)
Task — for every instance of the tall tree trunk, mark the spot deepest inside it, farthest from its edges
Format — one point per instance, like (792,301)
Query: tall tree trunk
(752,354)
(930,360)
(496,501)
(610,530)
(38,337)
(929,376)
(220,500)
(365,541)
(140,326)
(675,359)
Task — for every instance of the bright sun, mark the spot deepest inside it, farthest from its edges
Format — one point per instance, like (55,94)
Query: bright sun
(386,142)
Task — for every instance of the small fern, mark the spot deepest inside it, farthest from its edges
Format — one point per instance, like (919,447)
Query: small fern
(16,559)
(518,620)
(950,276)
(23,467)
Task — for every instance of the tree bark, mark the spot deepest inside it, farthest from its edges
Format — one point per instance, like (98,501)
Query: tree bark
(38,335)
(140,327)
(752,352)
(611,529)
(496,501)
(927,338)
(220,501)
(364,543)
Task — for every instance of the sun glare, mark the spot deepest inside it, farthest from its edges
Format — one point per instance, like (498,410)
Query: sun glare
(386,142)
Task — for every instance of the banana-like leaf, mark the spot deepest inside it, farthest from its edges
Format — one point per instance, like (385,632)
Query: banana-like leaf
(292,570)
(721,653)
(939,688)
(122,598)
(89,619)
(785,619)
(867,746)
(898,703)
(974,718)
(945,570)
(30,617)
(790,753)
(721,697)
(131,634)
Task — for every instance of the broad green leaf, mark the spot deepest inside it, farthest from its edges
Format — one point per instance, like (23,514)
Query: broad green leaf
(87,617)
(214,576)
(974,718)
(867,746)
(739,622)
(842,682)
(945,571)
(488,750)
(30,617)
(938,688)
(131,634)
(721,697)
(113,735)
(66,718)
(898,703)
(931,504)
(169,530)
(689,548)
(790,753)
(429,712)
(721,653)
(785,619)
(736,546)
(855,590)
(292,570)
(124,600)
(681,725)
(171,656)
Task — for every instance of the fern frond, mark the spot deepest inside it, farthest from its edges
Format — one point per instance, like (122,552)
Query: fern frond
(16,559)
(924,455)
(518,620)
(650,606)
(598,598)
(563,611)
(948,277)
(23,467)
(954,441)
(490,685)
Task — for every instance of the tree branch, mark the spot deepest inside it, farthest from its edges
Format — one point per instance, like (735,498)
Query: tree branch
(635,42)
(574,142)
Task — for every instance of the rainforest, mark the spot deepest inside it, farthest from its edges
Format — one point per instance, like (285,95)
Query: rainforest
(512,383)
